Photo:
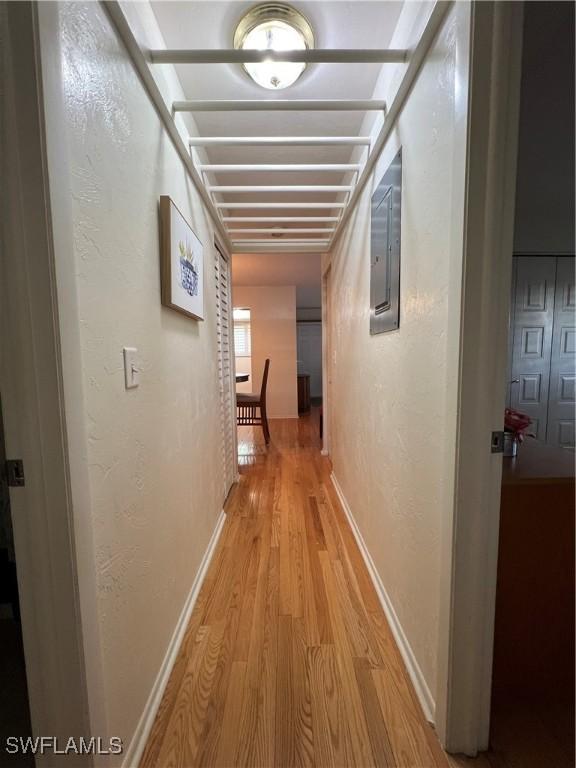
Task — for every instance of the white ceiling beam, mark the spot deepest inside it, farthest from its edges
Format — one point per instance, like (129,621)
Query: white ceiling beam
(282,239)
(280,205)
(279,247)
(287,141)
(215,168)
(284,243)
(307,56)
(282,188)
(282,230)
(269,105)
(281,218)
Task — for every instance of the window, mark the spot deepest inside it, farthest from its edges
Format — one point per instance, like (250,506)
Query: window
(242,341)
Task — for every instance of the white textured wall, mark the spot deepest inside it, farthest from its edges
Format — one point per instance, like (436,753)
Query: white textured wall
(152,454)
(273,328)
(393,412)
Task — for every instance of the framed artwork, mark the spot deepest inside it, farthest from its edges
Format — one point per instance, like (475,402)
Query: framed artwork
(182,263)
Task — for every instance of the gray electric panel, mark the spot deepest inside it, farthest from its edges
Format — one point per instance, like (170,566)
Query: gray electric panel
(385,250)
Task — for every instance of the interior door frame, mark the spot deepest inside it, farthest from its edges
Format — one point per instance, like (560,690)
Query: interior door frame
(470,542)
(48,545)
(326,355)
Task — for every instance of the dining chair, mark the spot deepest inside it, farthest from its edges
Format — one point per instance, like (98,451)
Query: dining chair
(246,406)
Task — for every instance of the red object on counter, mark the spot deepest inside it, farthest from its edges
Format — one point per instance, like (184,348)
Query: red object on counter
(516,422)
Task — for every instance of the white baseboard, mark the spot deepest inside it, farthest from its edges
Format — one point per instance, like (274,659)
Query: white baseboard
(420,686)
(137,744)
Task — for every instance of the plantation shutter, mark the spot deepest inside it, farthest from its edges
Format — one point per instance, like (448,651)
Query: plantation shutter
(225,370)
(242,346)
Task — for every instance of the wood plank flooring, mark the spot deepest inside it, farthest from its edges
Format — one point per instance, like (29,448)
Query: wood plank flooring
(288,659)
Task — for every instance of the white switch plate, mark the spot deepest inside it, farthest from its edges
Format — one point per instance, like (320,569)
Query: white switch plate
(131,372)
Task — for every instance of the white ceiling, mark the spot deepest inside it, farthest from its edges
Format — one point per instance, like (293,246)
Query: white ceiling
(336,24)
(193,24)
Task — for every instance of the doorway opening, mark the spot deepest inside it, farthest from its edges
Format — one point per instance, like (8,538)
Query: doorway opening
(532,712)
(14,702)
(242,349)
(309,351)
(326,361)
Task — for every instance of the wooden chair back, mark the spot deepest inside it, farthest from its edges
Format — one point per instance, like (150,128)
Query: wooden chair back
(264,382)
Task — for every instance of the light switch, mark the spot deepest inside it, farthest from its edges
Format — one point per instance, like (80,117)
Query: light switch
(131,371)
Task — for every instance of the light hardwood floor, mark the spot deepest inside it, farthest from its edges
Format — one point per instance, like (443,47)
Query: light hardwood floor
(288,659)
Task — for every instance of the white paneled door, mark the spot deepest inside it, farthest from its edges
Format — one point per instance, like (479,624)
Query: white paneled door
(225,368)
(562,393)
(543,348)
(533,304)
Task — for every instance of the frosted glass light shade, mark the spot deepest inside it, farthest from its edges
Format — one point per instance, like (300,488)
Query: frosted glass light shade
(274,27)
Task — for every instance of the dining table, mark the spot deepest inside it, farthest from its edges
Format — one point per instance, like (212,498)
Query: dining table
(241,377)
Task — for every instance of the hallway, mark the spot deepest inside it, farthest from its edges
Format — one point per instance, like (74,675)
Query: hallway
(198,192)
(288,659)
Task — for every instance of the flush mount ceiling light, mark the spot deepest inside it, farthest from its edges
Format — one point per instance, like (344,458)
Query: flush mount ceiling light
(274,27)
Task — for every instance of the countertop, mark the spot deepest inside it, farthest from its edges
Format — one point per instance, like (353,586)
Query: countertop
(537,462)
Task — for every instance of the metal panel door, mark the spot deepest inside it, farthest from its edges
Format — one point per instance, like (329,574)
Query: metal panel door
(385,250)
(562,371)
(532,338)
